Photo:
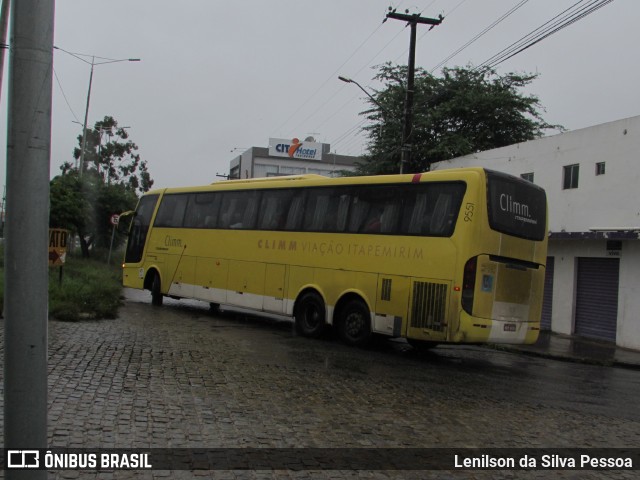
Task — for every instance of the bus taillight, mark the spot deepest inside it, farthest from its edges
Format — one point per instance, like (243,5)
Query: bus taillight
(469,284)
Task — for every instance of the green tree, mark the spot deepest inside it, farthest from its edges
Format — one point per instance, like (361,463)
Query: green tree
(112,177)
(461,112)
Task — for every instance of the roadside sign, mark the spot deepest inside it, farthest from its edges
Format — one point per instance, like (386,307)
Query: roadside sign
(115,218)
(57,246)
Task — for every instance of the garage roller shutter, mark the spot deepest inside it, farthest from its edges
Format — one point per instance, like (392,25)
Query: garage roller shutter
(597,298)
(548,295)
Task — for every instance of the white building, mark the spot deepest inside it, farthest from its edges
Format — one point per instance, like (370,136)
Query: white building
(290,157)
(592,180)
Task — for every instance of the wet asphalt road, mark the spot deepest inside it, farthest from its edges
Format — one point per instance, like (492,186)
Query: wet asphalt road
(179,376)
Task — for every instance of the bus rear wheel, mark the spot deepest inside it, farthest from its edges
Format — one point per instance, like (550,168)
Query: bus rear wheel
(354,324)
(156,293)
(310,315)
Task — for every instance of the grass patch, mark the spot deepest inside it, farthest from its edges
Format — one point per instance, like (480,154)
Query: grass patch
(90,289)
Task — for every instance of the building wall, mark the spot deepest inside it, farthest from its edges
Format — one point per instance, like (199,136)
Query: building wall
(257,162)
(628,333)
(601,202)
(566,254)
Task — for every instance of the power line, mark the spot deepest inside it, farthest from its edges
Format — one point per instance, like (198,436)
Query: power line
(65,96)
(562,20)
(482,33)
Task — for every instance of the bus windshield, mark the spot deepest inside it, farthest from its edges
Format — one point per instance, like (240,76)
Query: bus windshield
(139,228)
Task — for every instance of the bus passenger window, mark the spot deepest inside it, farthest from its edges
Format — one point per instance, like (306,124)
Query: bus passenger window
(441,218)
(433,209)
(202,211)
(296,211)
(171,211)
(389,218)
(273,210)
(359,212)
(418,211)
(316,211)
(373,223)
(343,213)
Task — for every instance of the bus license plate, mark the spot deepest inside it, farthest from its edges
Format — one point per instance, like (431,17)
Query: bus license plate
(509,327)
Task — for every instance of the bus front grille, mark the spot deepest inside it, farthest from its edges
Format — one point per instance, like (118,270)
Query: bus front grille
(428,306)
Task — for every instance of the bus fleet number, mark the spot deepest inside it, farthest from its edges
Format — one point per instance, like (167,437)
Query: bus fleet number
(468,212)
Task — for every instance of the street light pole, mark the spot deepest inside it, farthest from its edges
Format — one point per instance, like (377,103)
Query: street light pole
(350,80)
(93,63)
(383,112)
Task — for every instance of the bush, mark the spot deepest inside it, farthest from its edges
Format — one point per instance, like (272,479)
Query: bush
(89,289)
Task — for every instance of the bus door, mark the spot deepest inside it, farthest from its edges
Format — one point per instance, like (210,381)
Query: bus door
(428,304)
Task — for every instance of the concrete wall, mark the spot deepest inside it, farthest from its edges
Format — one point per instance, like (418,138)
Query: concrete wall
(566,254)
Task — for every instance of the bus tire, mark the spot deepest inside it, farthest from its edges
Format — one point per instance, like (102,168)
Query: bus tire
(310,315)
(354,324)
(156,293)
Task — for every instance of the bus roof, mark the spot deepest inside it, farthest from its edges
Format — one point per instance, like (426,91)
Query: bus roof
(320,180)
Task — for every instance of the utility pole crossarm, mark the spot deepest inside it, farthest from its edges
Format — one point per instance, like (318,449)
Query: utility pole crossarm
(415,18)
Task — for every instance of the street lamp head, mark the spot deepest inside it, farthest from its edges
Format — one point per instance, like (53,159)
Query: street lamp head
(134,59)
(345,79)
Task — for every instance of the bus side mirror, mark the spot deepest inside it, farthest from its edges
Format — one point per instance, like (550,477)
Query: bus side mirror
(124,222)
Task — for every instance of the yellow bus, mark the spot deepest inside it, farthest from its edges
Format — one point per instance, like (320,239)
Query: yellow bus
(445,256)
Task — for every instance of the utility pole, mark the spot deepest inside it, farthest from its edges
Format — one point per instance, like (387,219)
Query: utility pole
(407,128)
(27,229)
(86,117)
(4,26)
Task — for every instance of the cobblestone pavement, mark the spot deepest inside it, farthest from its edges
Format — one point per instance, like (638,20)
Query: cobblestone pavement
(178,376)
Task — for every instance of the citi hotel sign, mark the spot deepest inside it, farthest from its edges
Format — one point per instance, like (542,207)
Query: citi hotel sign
(295,149)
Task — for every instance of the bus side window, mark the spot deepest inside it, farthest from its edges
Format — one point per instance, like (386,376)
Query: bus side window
(440,219)
(343,212)
(433,209)
(359,213)
(389,217)
(274,208)
(230,214)
(296,212)
(171,211)
(202,211)
(250,213)
(314,211)
(376,210)
(418,210)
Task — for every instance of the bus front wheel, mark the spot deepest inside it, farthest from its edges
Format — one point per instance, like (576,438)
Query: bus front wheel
(310,315)
(354,325)
(156,294)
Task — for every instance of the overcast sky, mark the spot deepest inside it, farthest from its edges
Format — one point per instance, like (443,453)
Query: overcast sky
(219,77)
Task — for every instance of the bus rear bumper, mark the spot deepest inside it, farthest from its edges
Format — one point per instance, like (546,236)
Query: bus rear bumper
(482,330)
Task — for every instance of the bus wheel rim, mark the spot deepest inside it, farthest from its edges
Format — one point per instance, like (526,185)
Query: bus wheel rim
(354,323)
